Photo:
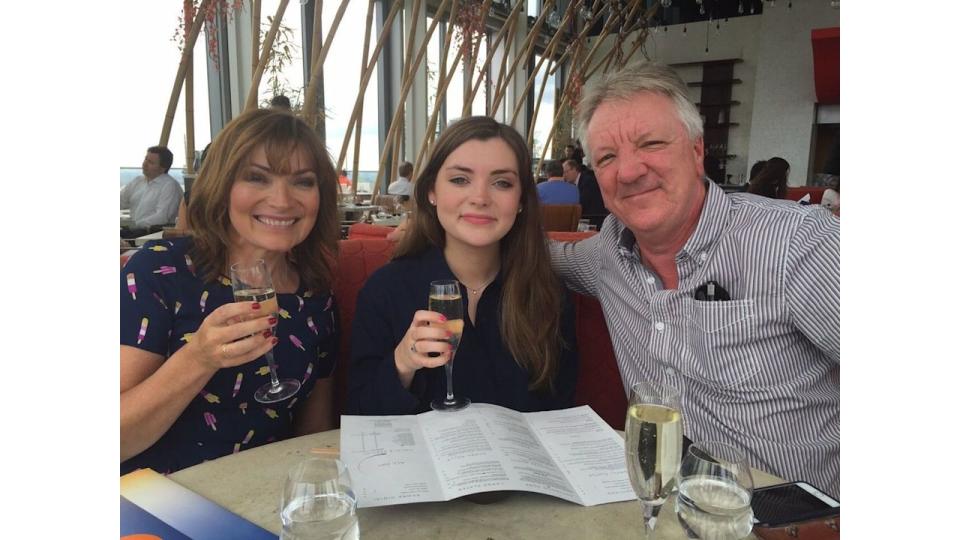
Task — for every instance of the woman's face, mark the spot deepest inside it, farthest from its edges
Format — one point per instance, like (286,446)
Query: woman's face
(477,193)
(270,211)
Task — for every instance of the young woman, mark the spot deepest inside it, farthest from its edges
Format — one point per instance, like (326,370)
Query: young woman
(190,357)
(476,220)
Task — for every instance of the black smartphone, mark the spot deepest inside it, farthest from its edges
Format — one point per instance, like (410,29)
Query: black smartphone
(782,504)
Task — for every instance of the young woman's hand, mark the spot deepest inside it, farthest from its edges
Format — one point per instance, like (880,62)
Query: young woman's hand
(427,334)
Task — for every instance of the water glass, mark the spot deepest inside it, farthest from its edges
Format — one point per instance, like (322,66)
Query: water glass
(318,502)
(714,492)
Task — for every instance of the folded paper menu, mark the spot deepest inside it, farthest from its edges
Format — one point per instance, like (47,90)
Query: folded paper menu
(437,456)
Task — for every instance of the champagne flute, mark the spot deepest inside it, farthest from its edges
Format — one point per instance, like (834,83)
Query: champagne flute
(445,299)
(715,491)
(654,442)
(253,283)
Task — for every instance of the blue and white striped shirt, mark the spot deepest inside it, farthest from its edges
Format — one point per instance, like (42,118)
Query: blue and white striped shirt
(760,371)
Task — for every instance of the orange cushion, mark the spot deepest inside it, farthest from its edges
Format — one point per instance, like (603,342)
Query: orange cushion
(368,230)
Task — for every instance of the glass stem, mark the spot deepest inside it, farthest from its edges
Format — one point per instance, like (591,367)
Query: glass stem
(448,369)
(650,513)
(272,364)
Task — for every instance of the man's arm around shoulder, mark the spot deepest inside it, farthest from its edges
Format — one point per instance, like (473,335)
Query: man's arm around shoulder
(812,281)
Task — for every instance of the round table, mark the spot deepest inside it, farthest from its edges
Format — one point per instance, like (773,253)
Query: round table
(249,484)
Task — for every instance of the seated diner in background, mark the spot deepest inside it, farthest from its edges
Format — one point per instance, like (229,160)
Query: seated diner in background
(771,181)
(733,298)
(153,197)
(556,189)
(476,220)
(191,357)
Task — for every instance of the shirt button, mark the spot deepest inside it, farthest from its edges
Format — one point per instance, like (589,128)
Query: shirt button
(671,372)
(703,257)
(659,326)
(650,280)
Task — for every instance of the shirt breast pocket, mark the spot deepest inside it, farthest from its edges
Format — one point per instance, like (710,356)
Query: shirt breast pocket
(720,339)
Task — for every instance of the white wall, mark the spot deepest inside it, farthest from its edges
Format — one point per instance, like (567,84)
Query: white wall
(784,109)
(777,95)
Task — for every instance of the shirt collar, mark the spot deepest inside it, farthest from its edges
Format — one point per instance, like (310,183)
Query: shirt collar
(713,218)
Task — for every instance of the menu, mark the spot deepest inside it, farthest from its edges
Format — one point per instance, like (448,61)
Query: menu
(152,505)
(437,456)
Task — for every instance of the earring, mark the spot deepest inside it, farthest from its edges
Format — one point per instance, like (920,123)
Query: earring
(433,202)
(520,210)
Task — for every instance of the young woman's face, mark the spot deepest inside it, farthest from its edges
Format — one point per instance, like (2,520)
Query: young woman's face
(270,211)
(477,193)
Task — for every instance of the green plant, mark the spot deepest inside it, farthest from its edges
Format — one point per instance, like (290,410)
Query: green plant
(285,52)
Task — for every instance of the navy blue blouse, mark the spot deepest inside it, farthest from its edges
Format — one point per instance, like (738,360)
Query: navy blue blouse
(483,368)
(163,301)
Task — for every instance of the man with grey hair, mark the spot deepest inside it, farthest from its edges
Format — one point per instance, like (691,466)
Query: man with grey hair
(733,299)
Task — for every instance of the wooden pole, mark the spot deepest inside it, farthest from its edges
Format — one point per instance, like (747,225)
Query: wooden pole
(358,104)
(505,30)
(408,73)
(580,37)
(396,121)
(368,27)
(445,82)
(181,72)
(310,97)
(548,52)
(536,108)
(470,63)
(523,55)
(255,33)
(188,98)
(444,52)
(316,43)
(264,57)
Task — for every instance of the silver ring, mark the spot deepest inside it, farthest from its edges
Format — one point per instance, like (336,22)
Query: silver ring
(413,348)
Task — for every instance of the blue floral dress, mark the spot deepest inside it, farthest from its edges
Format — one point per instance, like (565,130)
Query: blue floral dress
(163,301)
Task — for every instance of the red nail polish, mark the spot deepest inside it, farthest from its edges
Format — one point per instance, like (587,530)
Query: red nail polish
(272,320)
(443,319)
(256,305)
(267,334)
(275,341)
(449,334)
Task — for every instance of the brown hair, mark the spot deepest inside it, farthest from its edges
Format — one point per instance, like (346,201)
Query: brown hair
(771,181)
(532,296)
(281,134)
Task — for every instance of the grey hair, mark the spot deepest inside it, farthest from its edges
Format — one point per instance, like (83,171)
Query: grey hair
(635,79)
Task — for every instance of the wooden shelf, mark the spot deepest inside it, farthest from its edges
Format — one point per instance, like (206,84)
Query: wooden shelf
(700,63)
(715,83)
(720,104)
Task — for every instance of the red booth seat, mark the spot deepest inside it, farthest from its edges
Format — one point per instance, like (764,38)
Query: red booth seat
(797,193)
(598,383)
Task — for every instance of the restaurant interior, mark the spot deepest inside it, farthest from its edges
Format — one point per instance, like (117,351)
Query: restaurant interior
(378,82)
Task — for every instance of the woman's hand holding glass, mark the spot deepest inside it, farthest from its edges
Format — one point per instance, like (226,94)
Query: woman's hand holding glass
(232,335)
(426,334)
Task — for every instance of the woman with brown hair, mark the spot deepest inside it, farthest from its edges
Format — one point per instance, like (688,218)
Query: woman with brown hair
(771,181)
(190,357)
(476,220)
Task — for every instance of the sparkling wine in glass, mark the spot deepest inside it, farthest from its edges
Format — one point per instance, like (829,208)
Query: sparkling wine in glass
(252,283)
(445,299)
(654,443)
(716,486)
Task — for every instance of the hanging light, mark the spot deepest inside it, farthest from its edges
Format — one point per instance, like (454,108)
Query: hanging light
(553,19)
(740,7)
(835,4)
(585,13)
(666,3)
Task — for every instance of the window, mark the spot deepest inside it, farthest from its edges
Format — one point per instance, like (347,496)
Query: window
(341,77)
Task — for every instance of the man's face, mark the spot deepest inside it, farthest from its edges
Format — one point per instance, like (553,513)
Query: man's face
(650,172)
(569,173)
(151,166)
